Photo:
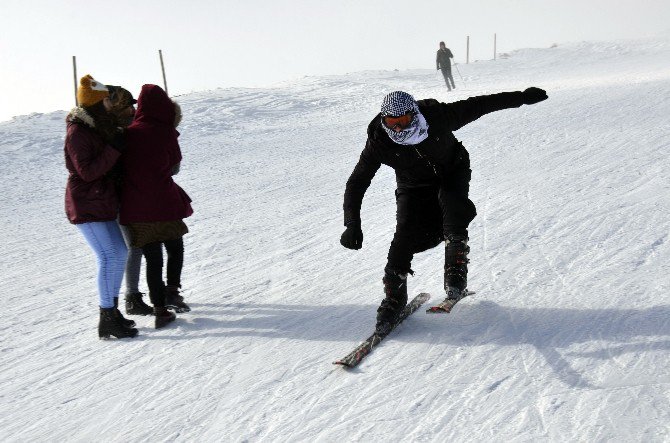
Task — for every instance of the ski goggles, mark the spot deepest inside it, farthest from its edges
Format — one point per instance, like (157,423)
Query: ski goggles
(400,122)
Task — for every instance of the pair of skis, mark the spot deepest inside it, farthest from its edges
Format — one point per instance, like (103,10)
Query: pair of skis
(358,354)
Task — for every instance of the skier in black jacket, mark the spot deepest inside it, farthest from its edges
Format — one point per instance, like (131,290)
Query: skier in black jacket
(433,180)
(444,63)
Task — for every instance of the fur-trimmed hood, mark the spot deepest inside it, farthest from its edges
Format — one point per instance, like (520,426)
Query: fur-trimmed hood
(153,104)
(79,114)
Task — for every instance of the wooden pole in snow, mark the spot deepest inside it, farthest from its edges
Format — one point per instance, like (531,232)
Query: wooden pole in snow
(467,50)
(495,41)
(74,70)
(160,54)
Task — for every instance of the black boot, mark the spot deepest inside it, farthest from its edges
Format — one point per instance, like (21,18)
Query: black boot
(175,301)
(136,306)
(456,265)
(163,316)
(124,321)
(395,288)
(110,325)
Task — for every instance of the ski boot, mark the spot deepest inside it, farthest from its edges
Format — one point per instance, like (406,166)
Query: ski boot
(136,306)
(456,265)
(110,324)
(174,300)
(395,288)
(128,323)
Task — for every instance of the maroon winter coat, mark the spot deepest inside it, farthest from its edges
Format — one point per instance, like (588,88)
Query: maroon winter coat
(148,192)
(90,193)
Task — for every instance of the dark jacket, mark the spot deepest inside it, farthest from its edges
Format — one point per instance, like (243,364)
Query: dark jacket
(90,193)
(442,59)
(429,162)
(148,192)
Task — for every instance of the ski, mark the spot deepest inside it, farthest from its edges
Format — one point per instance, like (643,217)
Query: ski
(355,356)
(447,304)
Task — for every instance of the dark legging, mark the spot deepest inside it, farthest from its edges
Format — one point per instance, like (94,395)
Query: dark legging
(153,253)
(426,215)
(448,77)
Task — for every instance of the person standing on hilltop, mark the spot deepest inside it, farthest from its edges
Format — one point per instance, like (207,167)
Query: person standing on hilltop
(153,206)
(443,60)
(124,109)
(93,144)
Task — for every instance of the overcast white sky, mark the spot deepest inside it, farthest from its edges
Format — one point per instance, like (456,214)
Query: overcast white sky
(208,44)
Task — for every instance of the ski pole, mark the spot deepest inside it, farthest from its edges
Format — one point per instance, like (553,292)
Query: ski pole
(459,74)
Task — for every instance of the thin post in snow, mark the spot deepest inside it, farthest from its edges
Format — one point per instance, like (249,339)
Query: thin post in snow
(74,70)
(160,54)
(495,41)
(467,50)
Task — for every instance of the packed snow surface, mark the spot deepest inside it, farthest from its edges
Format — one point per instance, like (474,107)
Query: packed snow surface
(567,338)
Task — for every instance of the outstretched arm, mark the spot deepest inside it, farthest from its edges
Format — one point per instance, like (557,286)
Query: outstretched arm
(460,113)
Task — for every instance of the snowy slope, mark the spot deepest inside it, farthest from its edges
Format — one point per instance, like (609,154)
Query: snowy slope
(568,338)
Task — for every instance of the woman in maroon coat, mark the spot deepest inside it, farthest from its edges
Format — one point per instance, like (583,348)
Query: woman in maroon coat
(92,147)
(152,204)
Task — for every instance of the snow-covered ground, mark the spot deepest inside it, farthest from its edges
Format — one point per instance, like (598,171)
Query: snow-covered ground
(567,339)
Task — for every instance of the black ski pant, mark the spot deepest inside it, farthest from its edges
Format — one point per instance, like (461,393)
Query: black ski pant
(426,215)
(446,72)
(153,253)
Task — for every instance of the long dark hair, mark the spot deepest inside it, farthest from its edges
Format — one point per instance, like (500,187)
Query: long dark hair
(105,122)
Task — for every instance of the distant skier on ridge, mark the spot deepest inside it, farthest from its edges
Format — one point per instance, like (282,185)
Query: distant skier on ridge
(433,181)
(443,60)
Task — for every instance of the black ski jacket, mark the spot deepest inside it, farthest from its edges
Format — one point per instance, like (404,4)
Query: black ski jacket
(442,59)
(428,162)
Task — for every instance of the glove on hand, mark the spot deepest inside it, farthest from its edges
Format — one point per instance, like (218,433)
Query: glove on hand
(534,95)
(118,141)
(352,238)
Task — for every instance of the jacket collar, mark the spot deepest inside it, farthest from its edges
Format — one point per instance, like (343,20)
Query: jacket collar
(79,114)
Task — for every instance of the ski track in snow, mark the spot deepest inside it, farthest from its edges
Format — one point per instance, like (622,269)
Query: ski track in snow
(567,338)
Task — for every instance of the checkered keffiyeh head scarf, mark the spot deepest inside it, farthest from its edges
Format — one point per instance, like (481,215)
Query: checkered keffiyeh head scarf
(399,103)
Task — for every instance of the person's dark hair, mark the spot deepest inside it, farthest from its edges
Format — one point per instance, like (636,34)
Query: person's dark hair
(442,44)
(120,97)
(105,123)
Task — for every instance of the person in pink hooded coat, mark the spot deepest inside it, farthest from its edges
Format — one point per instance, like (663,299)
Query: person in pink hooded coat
(153,206)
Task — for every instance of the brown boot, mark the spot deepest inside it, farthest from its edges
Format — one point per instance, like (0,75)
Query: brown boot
(174,300)
(136,306)
(163,316)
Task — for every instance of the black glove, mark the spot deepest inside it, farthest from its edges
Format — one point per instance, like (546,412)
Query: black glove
(534,95)
(118,141)
(352,238)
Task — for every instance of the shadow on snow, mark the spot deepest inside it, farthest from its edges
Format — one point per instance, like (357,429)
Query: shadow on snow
(480,323)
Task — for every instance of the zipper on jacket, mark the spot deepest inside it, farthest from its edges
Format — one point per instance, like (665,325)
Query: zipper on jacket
(422,157)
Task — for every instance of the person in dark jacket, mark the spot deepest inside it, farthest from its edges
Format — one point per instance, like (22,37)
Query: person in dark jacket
(93,145)
(443,60)
(153,206)
(433,173)
(123,107)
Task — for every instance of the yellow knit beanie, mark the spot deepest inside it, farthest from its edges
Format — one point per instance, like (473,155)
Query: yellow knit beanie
(91,91)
